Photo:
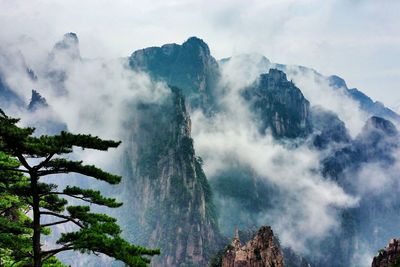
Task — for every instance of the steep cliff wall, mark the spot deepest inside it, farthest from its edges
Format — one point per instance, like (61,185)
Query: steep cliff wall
(170,198)
(280,105)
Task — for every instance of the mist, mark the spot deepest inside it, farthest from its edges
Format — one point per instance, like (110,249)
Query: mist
(99,97)
(308,204)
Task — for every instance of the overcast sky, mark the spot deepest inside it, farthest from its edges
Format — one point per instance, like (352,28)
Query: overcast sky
(358,40)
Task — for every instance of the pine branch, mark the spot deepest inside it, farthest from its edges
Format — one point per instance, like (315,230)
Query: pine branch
(43,163)
(6,210)
(63,217)
(54,223)
(85,141)
(23,161)
(57,166)
(50,253)
(93,199)
(13,169)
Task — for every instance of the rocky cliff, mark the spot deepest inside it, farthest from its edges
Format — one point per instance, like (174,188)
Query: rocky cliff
(280,105)
(328,129)
(37,101)
(169,195)
(261,251)
(64,56)
(376,143)
(189,66)
(389,256)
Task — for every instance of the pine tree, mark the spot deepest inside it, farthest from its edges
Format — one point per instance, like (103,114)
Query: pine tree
(24,160)
(15,243)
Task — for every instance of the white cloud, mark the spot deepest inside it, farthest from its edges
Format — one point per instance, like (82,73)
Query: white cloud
(308,210)
(355,39)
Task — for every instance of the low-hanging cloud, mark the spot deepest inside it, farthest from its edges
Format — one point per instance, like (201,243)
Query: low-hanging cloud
(241,70)
(99,97)
(309,208)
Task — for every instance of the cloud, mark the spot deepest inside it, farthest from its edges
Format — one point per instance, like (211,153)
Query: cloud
(354,39)
(307,205)
(242,70)
(317,90)
(98,97)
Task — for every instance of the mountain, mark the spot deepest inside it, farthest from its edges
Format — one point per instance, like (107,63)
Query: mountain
(328,128)
(372,151)
(376,143)
(253,65)
(366,103)
(168,200)
(68,47)
(389,256)
(280,105)
(262,250)
(64,55)
(37,101)
(189,66)
(169,195)
(8,96)
(12,62)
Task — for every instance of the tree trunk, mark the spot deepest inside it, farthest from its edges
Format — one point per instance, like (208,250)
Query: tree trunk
(37,259)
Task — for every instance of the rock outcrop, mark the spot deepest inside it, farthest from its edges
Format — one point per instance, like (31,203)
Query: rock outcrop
(261,251)
(280,105)
(376,143)
(64,56)
(189,66)
(389,256)
(328,128)
(68,47)
(37,101)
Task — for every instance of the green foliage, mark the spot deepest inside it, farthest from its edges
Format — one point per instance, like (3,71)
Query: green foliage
(19,235)
(15,233)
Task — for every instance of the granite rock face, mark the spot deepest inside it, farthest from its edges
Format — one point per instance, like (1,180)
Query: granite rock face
(168,193)
(261,251)
(189,66)
(389,256)
(280,105)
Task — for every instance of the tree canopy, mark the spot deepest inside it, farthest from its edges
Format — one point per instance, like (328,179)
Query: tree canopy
(24,160)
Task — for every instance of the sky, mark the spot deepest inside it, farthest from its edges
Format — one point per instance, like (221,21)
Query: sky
(357,40)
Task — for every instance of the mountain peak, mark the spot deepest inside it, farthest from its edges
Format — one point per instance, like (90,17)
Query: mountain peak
(37,101)
(378,123)
(196,42)
(69,44)
(337,82)
(189,66)
(280,105)
(273,79)
(277,75)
